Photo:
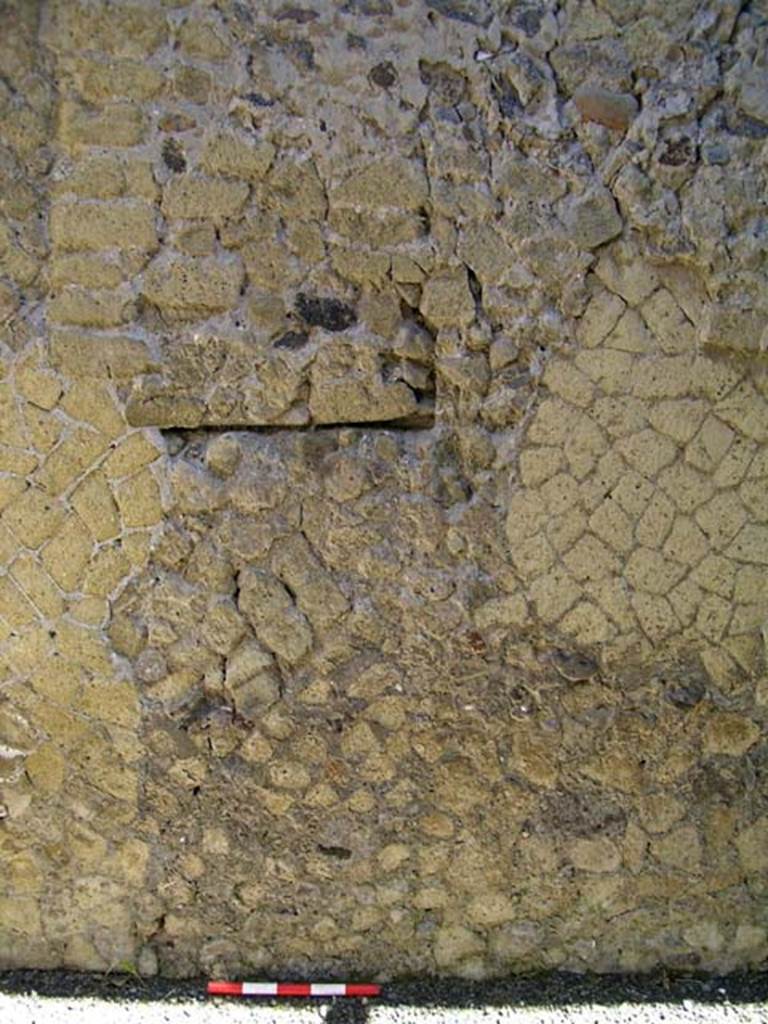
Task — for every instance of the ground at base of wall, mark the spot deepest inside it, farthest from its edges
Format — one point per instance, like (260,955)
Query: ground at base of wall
(26,1010)
(546,998)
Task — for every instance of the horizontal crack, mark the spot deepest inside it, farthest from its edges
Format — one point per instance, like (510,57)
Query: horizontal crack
(418,420)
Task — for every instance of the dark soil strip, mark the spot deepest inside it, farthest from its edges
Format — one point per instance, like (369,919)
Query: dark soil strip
(550,989)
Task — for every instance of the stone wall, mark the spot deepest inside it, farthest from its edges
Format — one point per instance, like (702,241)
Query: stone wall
(383,485)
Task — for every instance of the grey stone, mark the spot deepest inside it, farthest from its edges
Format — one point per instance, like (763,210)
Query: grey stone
(593,219)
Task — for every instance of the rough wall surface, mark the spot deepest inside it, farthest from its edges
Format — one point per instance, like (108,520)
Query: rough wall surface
(383,485)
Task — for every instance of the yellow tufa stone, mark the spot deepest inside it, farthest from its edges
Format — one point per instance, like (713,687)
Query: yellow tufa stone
(114,124)
(193,289)
(138,499)
(93,501)
(98,226)
(66,555)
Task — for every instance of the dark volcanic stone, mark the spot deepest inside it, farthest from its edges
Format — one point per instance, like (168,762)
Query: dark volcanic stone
(529,20)
(258,100)
(340,852)
(173,156)
(507,99)
(447,84)
(292,340)
(369,8)
(302,53)
(331,314)
(473,12)
(297,14)
(383,75)
(679,152)
(685,693)
(573,665)
(747,127)
(582,814)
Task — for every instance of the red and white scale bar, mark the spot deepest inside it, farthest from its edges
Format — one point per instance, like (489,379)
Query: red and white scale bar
(290,988)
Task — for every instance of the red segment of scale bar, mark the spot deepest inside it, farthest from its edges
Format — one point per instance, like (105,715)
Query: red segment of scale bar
(290,988)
